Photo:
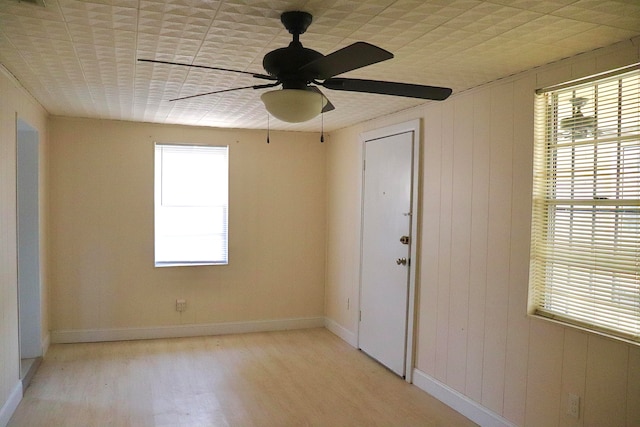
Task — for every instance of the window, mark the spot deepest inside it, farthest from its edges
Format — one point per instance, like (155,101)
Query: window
(191,204)
(585,245)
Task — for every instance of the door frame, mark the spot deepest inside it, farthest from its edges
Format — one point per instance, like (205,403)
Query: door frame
(28,240)
(415,127)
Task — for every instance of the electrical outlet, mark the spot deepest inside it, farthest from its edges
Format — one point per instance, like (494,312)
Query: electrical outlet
(181,305)
(573,405)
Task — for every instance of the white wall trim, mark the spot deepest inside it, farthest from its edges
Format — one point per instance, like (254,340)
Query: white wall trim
(458,401)
(11,404)
(46,342)
(341,332)
(124,334)
(414,127)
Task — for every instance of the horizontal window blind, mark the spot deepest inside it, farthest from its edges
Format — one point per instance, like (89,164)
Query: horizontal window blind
(191,204)
(585,250)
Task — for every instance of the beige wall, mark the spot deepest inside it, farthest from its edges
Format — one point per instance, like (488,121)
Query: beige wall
(103,274)
(15,102)
(473,334)
(343,225)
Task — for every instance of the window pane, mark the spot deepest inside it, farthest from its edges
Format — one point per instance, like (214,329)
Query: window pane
(191,205)
(188,176)
(585,267)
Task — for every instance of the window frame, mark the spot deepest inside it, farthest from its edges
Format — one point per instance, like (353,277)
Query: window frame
(183,206)
(544,282)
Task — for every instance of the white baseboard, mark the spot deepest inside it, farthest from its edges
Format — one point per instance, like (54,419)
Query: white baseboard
(11,404)
(125,334)
(458,401)
(341,332)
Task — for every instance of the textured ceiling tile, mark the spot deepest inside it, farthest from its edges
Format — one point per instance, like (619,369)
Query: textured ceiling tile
(604,34)
(373,8)
(450,8)
(152,73)
(99,15)
(254,9)
(221,39)
(491,19)
(15,8)
(16,26)
(149,17)
(166,46)
(152,6)
(96,36)
(548,29)
(204,10)
(389,37)
(209,82)
(398,14)
(541,6)
(323,7)
(609,13)
(249,30)
(122,3)
(198,24)
(78,57)
(183,26)
(631,8)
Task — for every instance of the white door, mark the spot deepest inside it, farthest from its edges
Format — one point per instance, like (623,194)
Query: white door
(384,292)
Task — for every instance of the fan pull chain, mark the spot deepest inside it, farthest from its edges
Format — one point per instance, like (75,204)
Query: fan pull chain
(268,128)
(322,121)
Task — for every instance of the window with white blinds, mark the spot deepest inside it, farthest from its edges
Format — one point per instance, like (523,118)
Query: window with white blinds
(585,246)
(191,204)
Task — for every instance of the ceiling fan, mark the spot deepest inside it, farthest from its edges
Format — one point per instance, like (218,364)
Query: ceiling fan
(301,70)
(578,125)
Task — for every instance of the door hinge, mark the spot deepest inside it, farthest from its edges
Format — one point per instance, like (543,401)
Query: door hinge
(360,319)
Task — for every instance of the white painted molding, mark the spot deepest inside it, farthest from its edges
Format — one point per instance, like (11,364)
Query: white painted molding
(415,128)
(46,341)
(341,332)
(194,330)
(11,404)
(458,401)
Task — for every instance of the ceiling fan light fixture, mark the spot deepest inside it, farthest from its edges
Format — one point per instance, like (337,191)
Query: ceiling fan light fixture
(294,105)
(300,70)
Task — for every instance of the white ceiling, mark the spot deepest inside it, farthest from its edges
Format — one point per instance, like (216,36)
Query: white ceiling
(78,57)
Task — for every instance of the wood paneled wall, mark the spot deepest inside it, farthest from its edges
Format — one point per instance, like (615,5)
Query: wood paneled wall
(474,335)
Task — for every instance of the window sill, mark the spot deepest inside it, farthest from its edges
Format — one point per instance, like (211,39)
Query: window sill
(187,264)
(591,330)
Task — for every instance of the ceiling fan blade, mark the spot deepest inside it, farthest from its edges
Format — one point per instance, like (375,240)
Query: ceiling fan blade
(329,106)
(227,90)
(389,88)
(354,56)
(258,76)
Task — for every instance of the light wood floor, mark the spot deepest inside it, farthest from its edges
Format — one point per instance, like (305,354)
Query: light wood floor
(291,378)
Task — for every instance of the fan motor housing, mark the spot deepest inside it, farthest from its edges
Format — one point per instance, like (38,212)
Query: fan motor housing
(285,63)
(296,21)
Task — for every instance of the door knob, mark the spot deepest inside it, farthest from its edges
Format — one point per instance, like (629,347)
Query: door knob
(401,261)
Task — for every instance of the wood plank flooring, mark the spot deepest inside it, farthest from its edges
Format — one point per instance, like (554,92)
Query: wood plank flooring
(291,378)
